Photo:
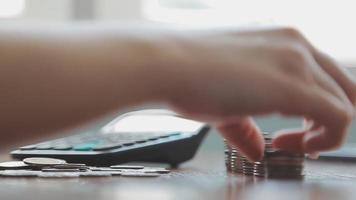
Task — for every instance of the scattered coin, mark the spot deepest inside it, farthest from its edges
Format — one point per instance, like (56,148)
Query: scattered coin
(127,167)
(156,170)
(39,161)
(59,170)
(69,165)
(139,174)
(105,169)
(19,173)
(13,165)
(81,167)
(58,175)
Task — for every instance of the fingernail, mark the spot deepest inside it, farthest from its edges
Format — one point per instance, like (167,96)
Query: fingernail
(313,156)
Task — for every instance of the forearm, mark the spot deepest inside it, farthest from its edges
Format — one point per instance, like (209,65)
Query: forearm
(50,81)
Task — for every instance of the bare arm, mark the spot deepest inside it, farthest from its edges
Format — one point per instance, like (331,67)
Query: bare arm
(55,79)
(50,80)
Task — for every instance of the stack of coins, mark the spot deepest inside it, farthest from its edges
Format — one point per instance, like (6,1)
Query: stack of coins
(227,156)
(233,159)
(281,164)
(247,166)
(275,163)
(260,166)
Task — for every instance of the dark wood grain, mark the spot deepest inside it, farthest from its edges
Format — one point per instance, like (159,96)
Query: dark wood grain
(202,178)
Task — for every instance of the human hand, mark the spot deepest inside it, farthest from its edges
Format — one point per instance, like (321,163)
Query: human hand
(224,77)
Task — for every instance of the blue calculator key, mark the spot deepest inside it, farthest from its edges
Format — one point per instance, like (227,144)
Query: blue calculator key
(103,147)
(84,146)
(174,134)
(153,138)
(62,147)
(128,143)
(44,146)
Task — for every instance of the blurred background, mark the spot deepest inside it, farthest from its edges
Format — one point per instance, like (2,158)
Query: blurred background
(330,25)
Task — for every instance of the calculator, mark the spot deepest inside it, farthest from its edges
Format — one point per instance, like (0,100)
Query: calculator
(154,135)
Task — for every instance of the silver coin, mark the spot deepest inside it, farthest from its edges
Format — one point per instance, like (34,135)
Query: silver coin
(13,165)
(19,173)
(59,170)
(71,166)
(39,161)
(58,174)
(127,167)
(139,174)
(105,169)
(155,170)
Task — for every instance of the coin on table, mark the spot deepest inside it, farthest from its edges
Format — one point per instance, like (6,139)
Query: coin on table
(59,170)
(19,173)
(127,167)
(13,165)
(58,174)
(139,174)
(155,170)
(40,161)
(105,169)
(71,166)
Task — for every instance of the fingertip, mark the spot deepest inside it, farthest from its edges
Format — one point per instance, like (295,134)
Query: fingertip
(321,140)
(246,136)
(289,140)
(257,152)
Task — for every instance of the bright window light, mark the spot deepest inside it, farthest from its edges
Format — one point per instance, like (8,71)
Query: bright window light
(329,24)
(11,8)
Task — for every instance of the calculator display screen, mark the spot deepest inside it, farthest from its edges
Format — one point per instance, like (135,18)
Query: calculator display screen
(153,123)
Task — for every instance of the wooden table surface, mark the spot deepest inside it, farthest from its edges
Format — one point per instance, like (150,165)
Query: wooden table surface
(202,178)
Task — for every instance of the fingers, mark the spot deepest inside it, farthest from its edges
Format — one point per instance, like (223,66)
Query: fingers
(311,125)
(326,82)
(338,73)
(244,134)
(290,140)
(344,79)
(334,70)
(326,136)
(327,112)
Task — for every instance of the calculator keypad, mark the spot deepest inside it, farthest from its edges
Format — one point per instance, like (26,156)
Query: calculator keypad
(99,142)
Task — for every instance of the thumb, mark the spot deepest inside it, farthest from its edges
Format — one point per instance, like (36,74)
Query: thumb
(245,135)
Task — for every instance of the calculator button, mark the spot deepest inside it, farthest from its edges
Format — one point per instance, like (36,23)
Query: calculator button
(153,138)
(103,147)
(44,147)
(28,147)
(141,141)
(63,147)
(128,143)
(174,134)
(84,147)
